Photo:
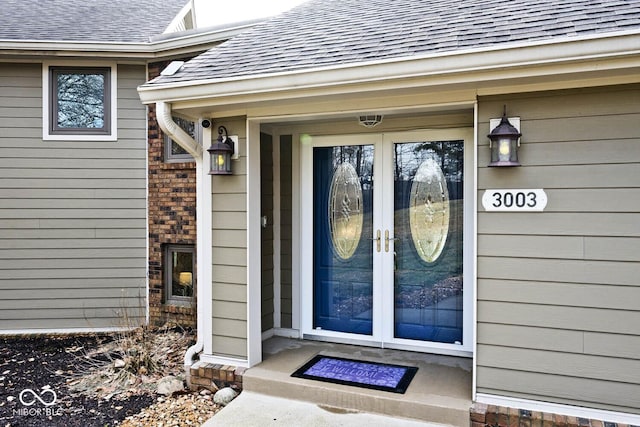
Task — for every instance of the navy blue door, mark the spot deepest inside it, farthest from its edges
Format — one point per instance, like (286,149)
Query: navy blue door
(419,253)
(428,227)
(342,248)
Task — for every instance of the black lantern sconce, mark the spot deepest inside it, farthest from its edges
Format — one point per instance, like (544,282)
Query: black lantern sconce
(221,153)
(504,142)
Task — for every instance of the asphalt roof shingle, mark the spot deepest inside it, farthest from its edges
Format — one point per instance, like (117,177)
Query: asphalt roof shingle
(119,21)
(333,32)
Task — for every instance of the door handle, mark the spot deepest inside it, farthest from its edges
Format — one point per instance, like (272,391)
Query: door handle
(378,240)
(386,240)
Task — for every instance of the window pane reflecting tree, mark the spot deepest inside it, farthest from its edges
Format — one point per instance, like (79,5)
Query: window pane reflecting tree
(80,99)
(173,152)
(189,127)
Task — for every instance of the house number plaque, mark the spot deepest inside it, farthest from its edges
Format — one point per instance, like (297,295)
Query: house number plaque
(514,200)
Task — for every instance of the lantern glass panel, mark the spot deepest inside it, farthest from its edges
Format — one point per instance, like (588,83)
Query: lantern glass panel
(221,163)
(504,149)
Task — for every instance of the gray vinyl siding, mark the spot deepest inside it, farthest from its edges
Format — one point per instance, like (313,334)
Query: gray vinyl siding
(558,291)
(72,213)
(229,253)
(286,252)
(266,194)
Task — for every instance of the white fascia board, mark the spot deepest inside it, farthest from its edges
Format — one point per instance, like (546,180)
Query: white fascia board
(179,18)
(182,44)
(524,60)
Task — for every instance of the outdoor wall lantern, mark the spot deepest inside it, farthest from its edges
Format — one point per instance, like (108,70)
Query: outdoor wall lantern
(504,141)
(221,152)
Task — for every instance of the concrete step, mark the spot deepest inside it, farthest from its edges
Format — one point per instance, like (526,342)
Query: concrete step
(439,393)
(259,410)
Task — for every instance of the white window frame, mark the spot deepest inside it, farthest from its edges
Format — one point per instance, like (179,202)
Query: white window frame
(112,135)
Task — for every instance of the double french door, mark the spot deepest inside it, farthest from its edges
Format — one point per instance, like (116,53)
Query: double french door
(385,244)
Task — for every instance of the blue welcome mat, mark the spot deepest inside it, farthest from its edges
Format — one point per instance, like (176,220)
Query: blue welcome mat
(373,375)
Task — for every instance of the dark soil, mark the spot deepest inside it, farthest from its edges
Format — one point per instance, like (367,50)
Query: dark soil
(44,365)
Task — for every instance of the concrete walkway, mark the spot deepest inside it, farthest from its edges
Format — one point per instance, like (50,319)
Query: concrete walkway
(259,410)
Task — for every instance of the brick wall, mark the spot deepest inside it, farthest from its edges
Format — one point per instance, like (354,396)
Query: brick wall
(213,377)
(499,416)
(172,209)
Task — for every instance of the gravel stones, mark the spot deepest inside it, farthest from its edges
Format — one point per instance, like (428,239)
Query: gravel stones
(191,409)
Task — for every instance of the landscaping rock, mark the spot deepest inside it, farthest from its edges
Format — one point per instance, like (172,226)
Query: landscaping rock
(169,385)
(224,396)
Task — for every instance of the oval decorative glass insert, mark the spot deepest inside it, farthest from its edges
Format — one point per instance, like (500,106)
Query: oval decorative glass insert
(345,210)
(429,211)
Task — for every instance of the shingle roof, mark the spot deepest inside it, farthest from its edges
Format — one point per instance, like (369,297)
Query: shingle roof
(119,21)
(332,32)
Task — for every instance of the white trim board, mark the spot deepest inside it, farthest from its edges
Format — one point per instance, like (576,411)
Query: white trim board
(474,370)
(204,250)
(254,244)
(227,361)
(556,408)
(287,333)
(113,134)
(281,332)
(62,331)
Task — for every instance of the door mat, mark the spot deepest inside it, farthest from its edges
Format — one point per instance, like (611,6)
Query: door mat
(372,375)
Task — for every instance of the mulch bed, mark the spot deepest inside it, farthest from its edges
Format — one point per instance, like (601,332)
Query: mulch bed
(44,365)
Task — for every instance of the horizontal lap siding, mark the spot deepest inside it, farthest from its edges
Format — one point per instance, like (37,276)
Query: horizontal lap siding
(266,194)
(72,213)
(229,254)
(286,281)
(559,291)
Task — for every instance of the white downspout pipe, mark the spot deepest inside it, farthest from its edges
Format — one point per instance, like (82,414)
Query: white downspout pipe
(203,215)
(171,128)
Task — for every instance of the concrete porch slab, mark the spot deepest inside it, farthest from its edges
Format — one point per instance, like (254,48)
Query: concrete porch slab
(440,392)
(259,410)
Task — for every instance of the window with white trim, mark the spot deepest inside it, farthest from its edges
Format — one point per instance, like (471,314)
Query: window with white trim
(79,102)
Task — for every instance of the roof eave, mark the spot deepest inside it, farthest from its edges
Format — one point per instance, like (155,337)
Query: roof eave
(156,49)
(545,58)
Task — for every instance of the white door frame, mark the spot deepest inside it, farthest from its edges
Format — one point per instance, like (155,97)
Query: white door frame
(383,307)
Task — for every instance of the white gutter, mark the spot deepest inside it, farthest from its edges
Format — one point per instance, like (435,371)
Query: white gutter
(203,215)
(157,47)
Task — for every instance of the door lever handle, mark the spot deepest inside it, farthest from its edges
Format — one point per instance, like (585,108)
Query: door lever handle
(386,240)
(378,240)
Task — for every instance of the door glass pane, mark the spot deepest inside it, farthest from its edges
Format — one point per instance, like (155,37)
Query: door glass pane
(428,226)
(342,248)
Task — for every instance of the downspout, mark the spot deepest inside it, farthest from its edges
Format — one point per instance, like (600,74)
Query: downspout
(182,138)
(171,128)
